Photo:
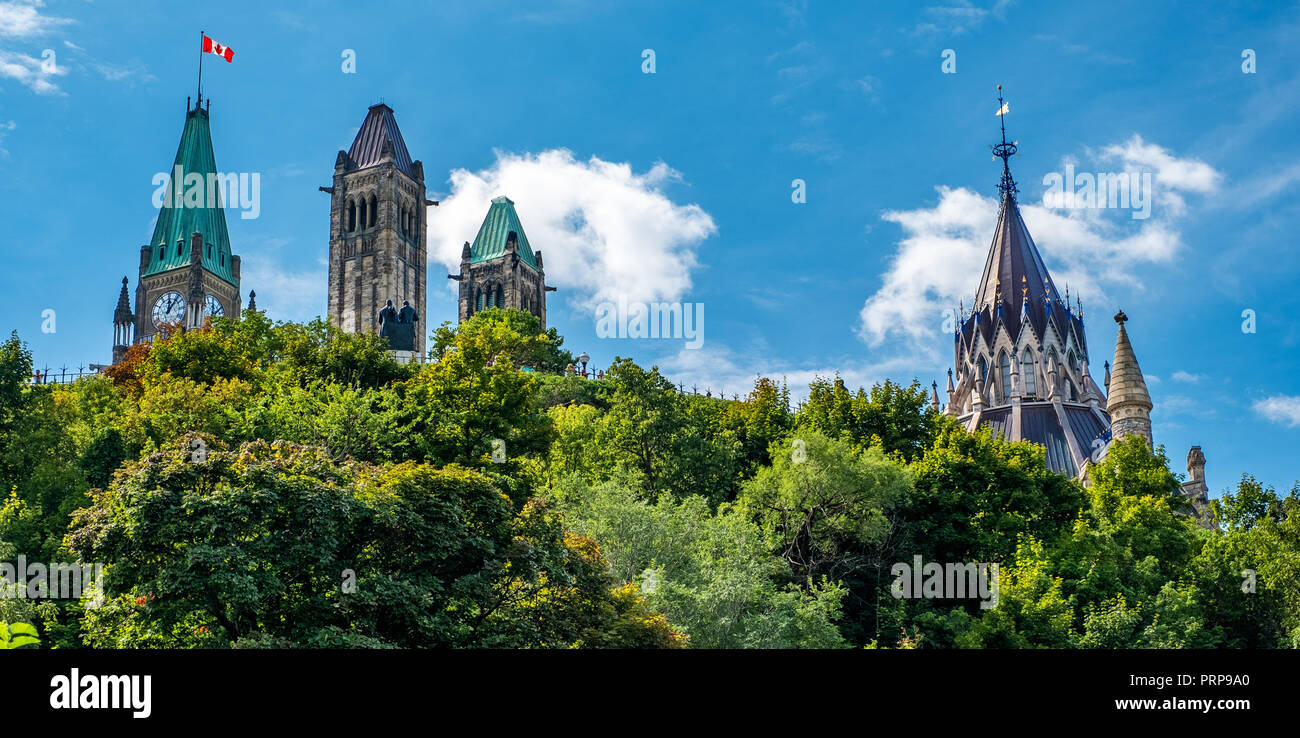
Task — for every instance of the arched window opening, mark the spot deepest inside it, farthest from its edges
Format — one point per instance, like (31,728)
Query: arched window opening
(1027,372)
(984,369)
(373,210)
(1004,368)
(501,296)
(352,216)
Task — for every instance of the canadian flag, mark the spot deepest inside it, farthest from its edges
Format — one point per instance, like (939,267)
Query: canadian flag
(212,47)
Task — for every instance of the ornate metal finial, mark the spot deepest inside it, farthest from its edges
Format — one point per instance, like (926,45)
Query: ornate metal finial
(1120,317)
(1005,150)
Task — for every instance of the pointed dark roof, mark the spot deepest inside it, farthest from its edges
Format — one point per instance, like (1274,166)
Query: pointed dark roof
(193,156)
(1015,272)
(123,312)
(501,221)
(377,130)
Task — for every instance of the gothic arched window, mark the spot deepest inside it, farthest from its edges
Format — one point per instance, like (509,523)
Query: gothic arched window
(373,209)
(984,369)
(1004,369)
(1027,372)
(352,216)
(501,296)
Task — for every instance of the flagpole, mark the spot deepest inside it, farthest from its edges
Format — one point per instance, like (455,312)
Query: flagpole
(201,35)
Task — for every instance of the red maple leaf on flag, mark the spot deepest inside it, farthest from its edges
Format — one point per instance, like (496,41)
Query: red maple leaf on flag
(212,47)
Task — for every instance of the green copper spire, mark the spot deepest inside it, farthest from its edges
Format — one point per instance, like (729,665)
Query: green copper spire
(501,221)
(197,206)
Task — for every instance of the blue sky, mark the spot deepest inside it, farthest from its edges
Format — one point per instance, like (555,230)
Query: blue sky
(677,185)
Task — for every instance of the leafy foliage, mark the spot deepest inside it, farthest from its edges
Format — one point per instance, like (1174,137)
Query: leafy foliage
(254,484)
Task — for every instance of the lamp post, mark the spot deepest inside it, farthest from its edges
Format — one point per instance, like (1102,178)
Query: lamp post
(584,359)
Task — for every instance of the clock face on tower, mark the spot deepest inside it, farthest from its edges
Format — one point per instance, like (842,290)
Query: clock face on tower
(170,308)
(212,306)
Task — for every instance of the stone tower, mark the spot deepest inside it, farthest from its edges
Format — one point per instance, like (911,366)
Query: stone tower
(1020,355)
(123,324)
(1128,402)
(378,250)
(500,269)
(187,270)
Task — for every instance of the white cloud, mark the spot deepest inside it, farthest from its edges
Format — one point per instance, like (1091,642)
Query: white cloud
(944,246)
(1280,409)
(21,19)
(605,231)
(30,71)
(958,18)
(1181,376)
(5,128)
(132,71)
(1172,174)
(284,291)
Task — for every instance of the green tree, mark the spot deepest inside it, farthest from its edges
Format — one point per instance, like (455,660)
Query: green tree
(512,336)
(892,417)
(822,507)
(710,572)
(281,545)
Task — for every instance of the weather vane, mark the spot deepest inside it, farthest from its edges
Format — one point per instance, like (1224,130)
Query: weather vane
(1005,150)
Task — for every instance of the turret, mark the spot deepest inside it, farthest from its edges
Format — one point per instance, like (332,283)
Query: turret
(1128,402)
(1195,489)
(123,324)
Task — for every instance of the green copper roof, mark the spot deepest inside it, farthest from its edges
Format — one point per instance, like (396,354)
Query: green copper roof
(490,242)
(194,157)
